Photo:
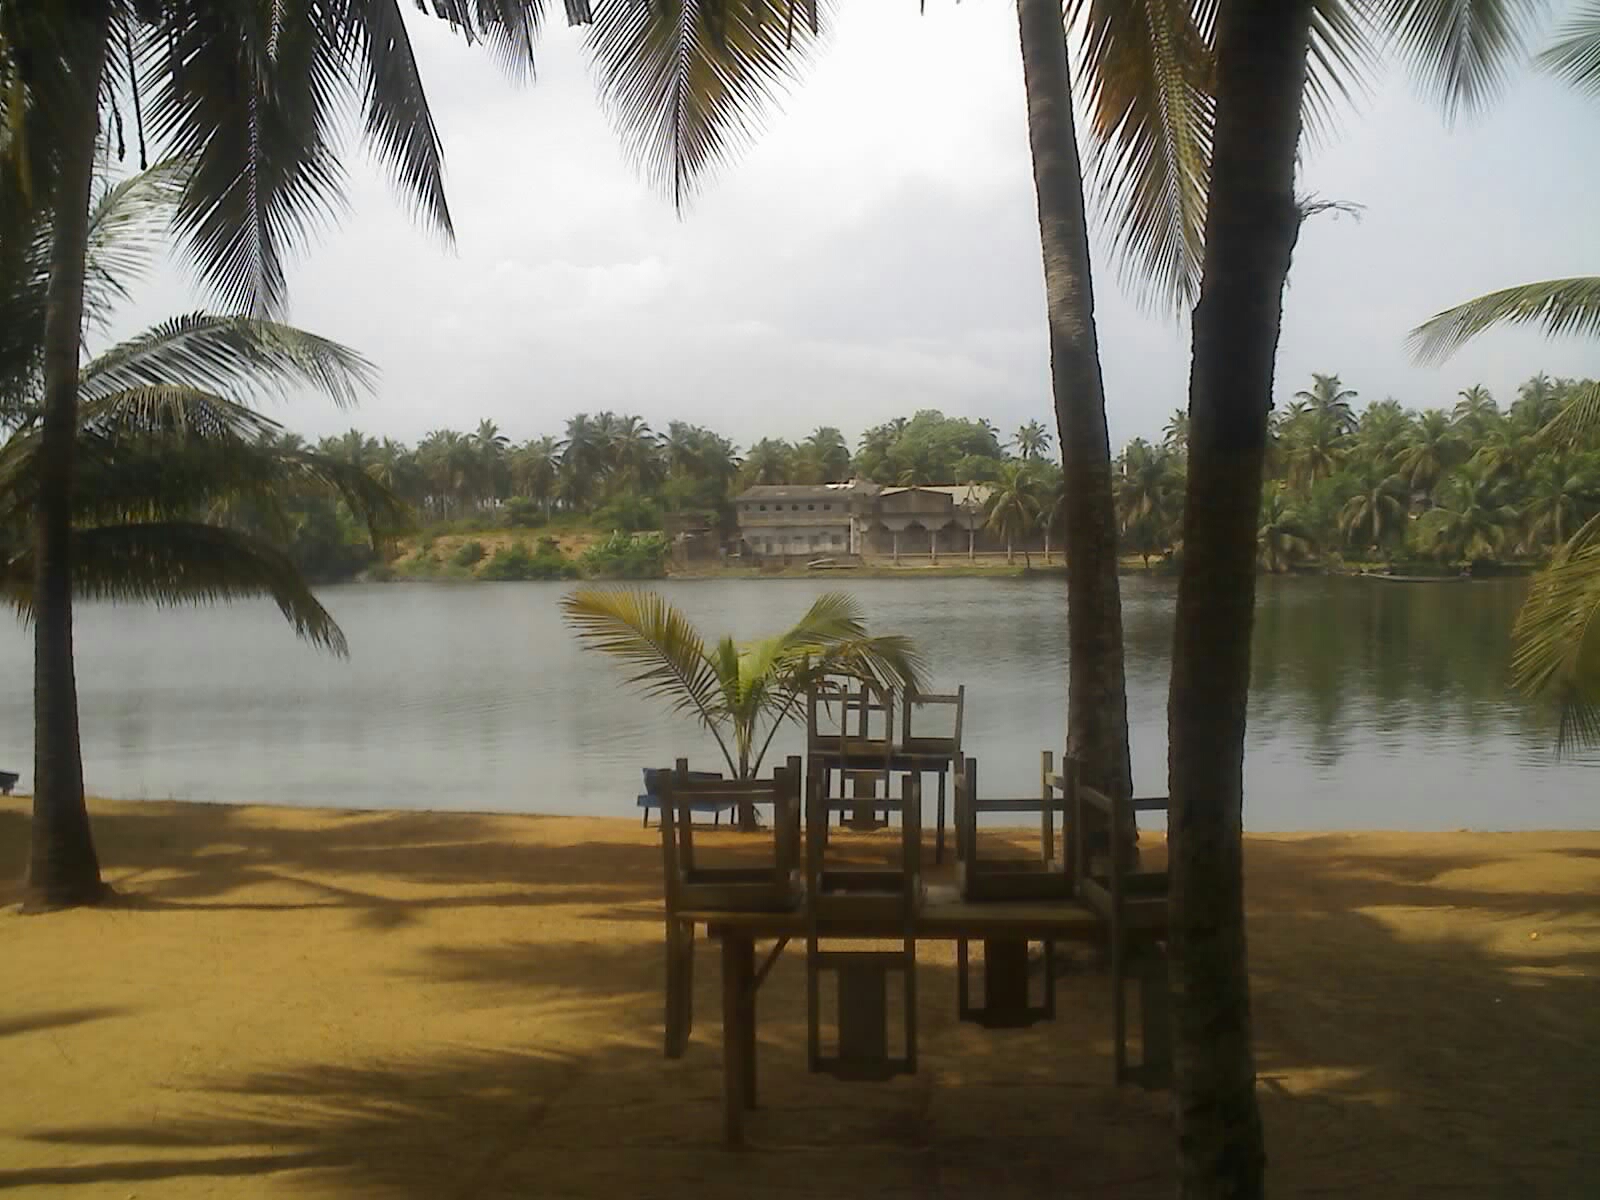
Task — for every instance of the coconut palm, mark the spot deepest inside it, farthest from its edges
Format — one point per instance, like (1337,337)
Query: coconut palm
(1272,60)
(1434,449)
(1475,412)
(1385,429)
(829,452)
(535,467)
(684,86)
(1314,444)
(1329,401)
(1032,440)
(1282,538)
(633,454)
(770,461)
(1473,518)
(1012,509)
(1376,515)
(1175,433)
(1558,497)
(741,693)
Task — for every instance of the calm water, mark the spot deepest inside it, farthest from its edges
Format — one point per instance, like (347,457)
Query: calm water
(1374,705)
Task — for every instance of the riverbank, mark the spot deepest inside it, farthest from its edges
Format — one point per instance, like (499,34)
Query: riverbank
(405,1005)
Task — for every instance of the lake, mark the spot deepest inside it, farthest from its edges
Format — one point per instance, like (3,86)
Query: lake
(1374,705)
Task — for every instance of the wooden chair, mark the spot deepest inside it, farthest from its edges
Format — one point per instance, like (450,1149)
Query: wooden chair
(692,885)
(919,750)
(842,898)
(860,748)
(1040,878)
(1133,904)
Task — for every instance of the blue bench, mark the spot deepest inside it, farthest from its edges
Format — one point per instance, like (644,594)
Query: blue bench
(651,797)
(8,780)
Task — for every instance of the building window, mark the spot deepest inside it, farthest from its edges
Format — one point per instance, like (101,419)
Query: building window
(763,508)
(827,508)
(811,508)
(795,507)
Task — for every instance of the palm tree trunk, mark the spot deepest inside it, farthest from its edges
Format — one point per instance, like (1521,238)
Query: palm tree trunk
(63,869)
(1251,227)
(1097,699)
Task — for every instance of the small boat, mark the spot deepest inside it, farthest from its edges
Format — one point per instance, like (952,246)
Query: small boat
(829,564)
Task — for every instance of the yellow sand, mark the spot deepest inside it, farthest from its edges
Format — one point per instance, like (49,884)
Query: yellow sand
(292,1003)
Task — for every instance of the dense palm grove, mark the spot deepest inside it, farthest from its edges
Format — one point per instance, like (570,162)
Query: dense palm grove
(1472,483)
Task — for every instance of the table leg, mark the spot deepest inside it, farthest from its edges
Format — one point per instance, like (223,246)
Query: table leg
(938,841)
(738,1033)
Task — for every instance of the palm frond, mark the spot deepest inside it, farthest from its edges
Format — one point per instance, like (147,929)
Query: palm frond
(1575,56)
(653,641)
(262,359)
(129,224)
(173,408)
(1559,306)
(399,124)
(687,83)
(1579,417)
(1341,64)
(1557,641)
(253,104)
(1147,69)
(1461,51)
(178,562)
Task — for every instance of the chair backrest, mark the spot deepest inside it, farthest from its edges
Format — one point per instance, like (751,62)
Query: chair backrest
(1110,889)
(657,778)
(944,742)
(904,885)
(692,884)
(1008,878)
(865,728)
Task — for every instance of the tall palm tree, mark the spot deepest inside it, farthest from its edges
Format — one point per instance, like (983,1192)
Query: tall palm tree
(1283,539)
(741,693)
(1475,412)
(491,446)
(684,87)
(634,454)
(1472,518)
(534,469)
(831,454)
(1434,449)
(1262,52)
(1384,431)
(1376,513)
(1175,433)
(1145,70)
(1012,509)
(1032,440)
(769,461)
(1329,400)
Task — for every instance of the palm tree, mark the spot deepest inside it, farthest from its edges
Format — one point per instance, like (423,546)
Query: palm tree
(1282,538)
(535,467)
(1329,400)
(491,446)
(1314,444)
(1434,450)
(1261,54)
(1032,441)
(264,172)
(829,452)
(1384,431)
(1377,513)
(1475,412)
(1561,494)
(741,693)
(1145,72)
(1012,509)
(1472,519)
(770,461)
(1175,434)
(633,453)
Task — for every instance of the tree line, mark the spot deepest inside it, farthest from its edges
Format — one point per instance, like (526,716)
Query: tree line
(1469,482)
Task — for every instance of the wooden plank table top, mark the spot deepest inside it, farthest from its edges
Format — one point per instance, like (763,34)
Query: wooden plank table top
(942,916)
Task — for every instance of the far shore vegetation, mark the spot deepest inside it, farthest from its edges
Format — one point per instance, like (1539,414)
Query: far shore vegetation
(1465,483)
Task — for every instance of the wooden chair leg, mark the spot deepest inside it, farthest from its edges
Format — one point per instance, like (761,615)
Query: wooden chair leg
(680,988)
(938,839)
(1119,1012)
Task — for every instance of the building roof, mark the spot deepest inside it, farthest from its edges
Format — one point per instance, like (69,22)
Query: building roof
(800,491)
(961,493)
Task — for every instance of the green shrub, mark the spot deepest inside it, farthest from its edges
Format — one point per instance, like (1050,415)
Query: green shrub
(521,513)
(516,562)
(626,556)
(468,554)
(628,513)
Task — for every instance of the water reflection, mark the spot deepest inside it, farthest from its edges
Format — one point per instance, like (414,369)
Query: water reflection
(1373,704)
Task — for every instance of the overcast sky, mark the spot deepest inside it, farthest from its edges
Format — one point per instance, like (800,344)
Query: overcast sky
(877,252)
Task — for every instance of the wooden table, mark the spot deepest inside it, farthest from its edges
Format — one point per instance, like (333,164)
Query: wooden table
(943,916)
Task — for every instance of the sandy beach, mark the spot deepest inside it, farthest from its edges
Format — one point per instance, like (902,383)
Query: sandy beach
(414,1006)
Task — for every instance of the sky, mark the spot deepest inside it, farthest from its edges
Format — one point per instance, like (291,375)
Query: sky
(876,252)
